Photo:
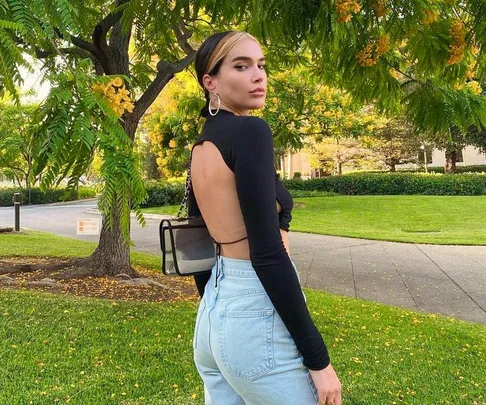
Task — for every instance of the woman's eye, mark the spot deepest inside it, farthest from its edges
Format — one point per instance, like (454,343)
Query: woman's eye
(261,67)
(240,67)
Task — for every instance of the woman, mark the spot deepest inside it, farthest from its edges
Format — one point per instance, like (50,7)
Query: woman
(254,340)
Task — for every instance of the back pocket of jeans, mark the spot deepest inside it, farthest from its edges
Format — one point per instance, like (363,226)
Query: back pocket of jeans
(246,341)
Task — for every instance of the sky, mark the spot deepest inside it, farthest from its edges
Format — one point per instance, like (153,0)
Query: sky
(32,81)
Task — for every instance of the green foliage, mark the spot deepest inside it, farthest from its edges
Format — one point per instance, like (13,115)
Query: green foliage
(29,25)
(173,124)
(459,169)
(395,183)
(16,142)
(160,194)
(74,121)
(413,69)
(437,108)
(310,193)
(38,196)
(394,142)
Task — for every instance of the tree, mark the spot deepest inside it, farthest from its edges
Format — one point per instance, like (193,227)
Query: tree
(297,109)
(423,59)
(394,142)
(173,124)
(332,154)
(100,92)
(408,55)
(16,153)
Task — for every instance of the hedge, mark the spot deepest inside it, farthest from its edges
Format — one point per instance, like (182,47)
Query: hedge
(395,183)
(39,197)
(459,169)
(163,193)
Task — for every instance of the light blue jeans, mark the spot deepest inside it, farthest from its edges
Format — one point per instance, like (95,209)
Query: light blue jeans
(242,349)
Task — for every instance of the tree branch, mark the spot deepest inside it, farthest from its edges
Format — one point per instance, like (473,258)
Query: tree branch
(183,63)
(99,37)
(183,34)
(166,72)
(40,54)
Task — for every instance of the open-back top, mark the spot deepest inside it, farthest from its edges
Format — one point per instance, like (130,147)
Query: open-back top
(246,146)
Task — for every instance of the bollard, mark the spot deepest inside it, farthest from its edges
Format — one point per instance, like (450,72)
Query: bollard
(17,211)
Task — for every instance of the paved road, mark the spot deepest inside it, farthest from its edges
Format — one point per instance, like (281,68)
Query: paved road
(61,219)
(449,280)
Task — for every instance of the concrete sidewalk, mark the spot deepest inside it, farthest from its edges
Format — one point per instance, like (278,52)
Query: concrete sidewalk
(448,280)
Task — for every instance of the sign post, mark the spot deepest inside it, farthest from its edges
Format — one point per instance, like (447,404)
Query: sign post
(16,200)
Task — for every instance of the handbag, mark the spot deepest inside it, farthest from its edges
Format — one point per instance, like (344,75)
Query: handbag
(187,247)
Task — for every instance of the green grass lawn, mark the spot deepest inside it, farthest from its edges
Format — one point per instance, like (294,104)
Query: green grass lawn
(416,219)
(59,349)
(34,243)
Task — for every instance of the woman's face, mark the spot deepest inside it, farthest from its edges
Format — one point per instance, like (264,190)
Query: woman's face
(241,82)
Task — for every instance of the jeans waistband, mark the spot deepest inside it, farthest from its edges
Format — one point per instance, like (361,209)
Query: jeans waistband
(235,267)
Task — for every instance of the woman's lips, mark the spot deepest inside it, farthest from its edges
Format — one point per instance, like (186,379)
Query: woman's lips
(260,91)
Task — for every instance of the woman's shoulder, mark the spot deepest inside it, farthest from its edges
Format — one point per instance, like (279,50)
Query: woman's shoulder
(254,127)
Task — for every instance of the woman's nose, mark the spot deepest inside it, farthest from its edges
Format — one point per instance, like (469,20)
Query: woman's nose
(259,76)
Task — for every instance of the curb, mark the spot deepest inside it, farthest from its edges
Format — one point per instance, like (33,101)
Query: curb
(132,215)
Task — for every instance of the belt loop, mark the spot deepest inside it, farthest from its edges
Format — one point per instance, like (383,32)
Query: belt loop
(218,259)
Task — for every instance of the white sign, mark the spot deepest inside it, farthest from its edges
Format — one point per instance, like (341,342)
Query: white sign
(88,226)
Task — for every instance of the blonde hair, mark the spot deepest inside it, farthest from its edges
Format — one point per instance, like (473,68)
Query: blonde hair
(225,46)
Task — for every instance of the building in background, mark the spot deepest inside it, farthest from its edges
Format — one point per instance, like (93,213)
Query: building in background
(299,162)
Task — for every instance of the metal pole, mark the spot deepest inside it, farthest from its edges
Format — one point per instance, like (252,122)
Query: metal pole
(425,160)
(17,211)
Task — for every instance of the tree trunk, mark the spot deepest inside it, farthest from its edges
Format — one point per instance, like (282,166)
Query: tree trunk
(450,164)
(339,168)
(111,257)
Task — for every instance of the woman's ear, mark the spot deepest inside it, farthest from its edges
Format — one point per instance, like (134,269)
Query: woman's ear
(209,83)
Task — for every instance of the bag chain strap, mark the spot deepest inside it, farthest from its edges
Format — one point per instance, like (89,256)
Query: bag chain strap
(186,194)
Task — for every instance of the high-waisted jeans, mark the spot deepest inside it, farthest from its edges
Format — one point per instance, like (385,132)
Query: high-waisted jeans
(242,349)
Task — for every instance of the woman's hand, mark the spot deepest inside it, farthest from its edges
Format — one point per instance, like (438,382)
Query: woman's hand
(328,386)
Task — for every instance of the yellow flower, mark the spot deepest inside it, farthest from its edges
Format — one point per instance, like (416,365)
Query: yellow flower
(458,45)
(475,87)
(431,16)
(383,44)
(172,143)
(129,106)
(186,127)
(345,9)
(117,81)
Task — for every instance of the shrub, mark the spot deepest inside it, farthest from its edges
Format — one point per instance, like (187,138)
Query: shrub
(310,193)
(40,197)
(164,193)
(459,169)
(395,183)
(297,175)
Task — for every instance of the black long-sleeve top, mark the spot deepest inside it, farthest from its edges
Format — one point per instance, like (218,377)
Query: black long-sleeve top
(246,145)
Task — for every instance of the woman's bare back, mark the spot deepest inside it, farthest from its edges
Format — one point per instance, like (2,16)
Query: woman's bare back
(214,186)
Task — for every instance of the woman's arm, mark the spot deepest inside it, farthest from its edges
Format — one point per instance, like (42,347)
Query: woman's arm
(253,165)
(285,240)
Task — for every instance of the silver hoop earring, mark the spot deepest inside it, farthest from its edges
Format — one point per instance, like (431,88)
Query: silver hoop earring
(217,109)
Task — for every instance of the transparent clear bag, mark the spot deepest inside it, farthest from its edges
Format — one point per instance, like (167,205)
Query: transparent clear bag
(187,247)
